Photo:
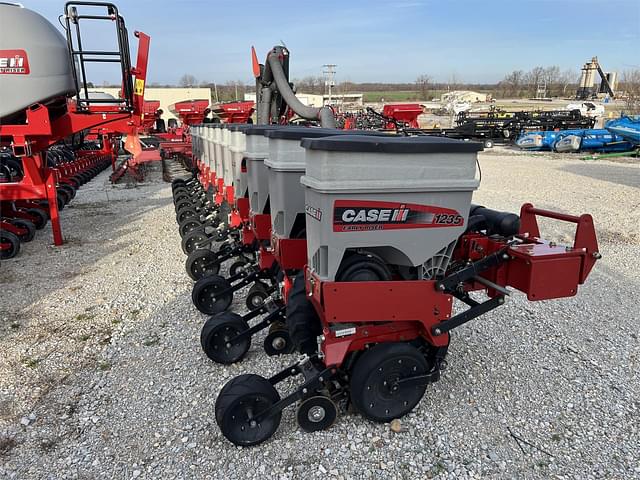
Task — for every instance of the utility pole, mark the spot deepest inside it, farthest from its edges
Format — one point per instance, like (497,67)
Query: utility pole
(329,74)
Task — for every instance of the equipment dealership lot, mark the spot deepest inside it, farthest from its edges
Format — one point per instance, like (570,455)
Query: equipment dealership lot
(102,376)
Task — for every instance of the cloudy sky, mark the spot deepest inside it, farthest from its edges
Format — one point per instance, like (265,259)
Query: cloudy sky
(390,41)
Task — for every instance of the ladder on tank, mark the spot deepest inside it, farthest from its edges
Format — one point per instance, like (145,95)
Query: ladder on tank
(81,57)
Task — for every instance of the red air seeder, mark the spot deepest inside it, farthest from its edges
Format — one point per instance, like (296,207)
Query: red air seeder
(44,127)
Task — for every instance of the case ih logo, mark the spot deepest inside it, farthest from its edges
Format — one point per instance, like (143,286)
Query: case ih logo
(14,62)
(354,216)
(313,212)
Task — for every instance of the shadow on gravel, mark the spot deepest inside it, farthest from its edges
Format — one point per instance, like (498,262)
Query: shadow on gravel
(608,173)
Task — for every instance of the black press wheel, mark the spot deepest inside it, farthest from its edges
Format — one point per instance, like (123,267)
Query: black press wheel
(256,295)
(241,399)
(194,241)
(10,245)
(215,336)
(278,341)
(206,294)
(303,322)
(316,413)
(374,387)
(26,225)
(201,263)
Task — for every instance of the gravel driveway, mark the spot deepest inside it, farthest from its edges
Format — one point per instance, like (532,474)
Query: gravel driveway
(102,375)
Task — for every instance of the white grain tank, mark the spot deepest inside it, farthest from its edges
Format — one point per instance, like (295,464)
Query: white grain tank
(217,150)
(196,140)
(209,147)
(238,146)
(285,166)
(406,199)
(257,150)
(226,155)
(34,60)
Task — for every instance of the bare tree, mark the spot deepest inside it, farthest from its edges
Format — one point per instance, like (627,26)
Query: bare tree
(423,83)
(453,83)
(567,79)
(188,80)
(550,77)
(630,86)
(532,78)
(346,87)
(511,85)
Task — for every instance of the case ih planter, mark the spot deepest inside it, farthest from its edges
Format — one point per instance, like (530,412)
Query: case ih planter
(392,240)
(214,294)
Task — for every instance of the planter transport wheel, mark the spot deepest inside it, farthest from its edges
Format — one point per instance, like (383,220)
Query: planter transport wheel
(316,413)
(215,336)
(201,263)
(238,403)
(374,387)
(206,296)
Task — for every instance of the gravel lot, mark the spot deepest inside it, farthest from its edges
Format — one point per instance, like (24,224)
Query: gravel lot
(102,376)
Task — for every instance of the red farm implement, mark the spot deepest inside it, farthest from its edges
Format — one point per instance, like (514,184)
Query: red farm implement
(42,115)
(234,112)
(402,113)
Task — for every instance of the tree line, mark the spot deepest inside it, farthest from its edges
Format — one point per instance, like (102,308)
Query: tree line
(516,84)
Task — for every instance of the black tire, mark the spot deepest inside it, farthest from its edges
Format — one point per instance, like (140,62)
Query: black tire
(373,377)
(190,242)
(303,322)
(68,189)
(14,245)
(205,295)
(27,225)
(183,204)
(202,263)
(190,225)
(236,267)
(62,199)
(41,218)
(256,295)
(181,197)
(488,143)
(215,334)
(234,406)
(363,268)
(185,213)
(316,413)
(278,342)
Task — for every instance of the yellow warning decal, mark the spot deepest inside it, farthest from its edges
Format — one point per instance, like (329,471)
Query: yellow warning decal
(139,87)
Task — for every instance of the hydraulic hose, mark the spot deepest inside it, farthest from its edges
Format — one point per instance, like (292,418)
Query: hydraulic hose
(324,114)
